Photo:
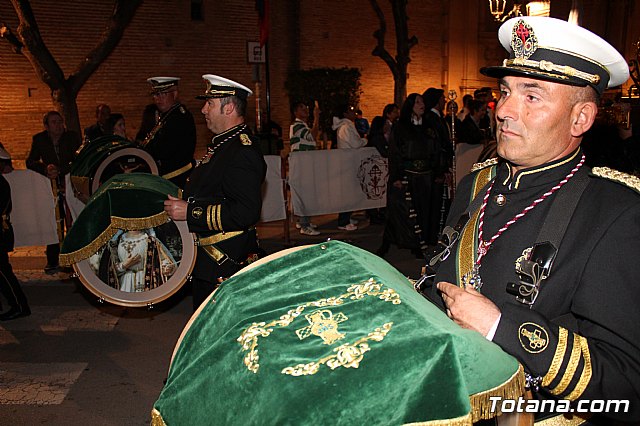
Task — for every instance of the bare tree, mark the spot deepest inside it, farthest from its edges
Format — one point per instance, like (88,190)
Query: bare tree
(64,90)
(398,66)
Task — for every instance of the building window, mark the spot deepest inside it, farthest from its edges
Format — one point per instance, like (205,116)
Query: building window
(196,10)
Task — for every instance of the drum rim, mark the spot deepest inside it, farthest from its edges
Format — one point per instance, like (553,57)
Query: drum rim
(95,179)
(146,298)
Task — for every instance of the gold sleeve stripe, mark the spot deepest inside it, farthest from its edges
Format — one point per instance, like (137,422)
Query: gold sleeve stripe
(570,371)
(214,218)
(219,218)
(209,222)
(585,377)
(557,358)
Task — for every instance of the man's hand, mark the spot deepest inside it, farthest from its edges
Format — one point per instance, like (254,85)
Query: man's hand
(131,261)
(468,308)
(52,171)
(175,208)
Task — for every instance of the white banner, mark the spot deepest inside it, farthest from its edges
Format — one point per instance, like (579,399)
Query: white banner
(33,214)
(273,205)
(337,180)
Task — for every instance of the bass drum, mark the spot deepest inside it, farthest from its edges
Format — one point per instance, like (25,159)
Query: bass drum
(142,267)
(103,158)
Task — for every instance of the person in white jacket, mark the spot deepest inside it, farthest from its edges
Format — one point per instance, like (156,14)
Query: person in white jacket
(347,138)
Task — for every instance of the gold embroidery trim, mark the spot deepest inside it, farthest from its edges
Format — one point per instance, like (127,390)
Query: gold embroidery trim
(585,377)
(631,181)
(219,217)
(208,218)
(542,169)
(557,358)
(570,371)
(484,164)
(249,337)
(156,418)
(551,67)
(134,224)
(178,172)
(467,248)
(466,251)
(348,355)
(213,239)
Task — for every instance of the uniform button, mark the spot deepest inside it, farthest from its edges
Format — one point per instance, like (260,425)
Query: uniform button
(500,200)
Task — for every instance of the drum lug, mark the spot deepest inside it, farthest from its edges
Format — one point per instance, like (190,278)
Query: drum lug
(101,300)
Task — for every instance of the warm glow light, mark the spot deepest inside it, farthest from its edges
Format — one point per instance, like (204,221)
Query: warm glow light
(496,7)
(539,8)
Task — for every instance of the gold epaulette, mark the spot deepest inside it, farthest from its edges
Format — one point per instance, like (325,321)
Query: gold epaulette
(245,139)
(626,179)
(484,164)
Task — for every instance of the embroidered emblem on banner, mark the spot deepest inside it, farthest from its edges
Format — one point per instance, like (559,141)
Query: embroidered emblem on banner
(245,139)
(196,212)
(372,174)
(533,338)
(322,323)
(523,40)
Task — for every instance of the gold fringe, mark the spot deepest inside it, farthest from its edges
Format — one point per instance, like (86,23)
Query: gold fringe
(560,420)
(511,389)
(130,224)
(178,172)
(156,418)
(458,421)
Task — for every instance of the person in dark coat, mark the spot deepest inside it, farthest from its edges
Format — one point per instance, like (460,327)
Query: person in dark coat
(412,159)
(52,152)
(9,284)
(100,128)
(546,265)
(222,199)
(172,141)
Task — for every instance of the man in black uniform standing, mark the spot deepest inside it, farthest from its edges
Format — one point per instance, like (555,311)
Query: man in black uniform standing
(172,141)
(222,199)
(547,264)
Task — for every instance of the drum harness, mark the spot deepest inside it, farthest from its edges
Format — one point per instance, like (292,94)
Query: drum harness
(531,269)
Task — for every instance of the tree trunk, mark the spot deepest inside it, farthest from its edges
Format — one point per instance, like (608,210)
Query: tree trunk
(398,66)
(64,91)
(64,100)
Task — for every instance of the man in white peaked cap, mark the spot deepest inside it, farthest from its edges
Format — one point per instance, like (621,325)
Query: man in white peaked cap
(544,260)
(172,141)
(222,199)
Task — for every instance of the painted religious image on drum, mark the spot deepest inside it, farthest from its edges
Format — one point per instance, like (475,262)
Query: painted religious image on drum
(139,260)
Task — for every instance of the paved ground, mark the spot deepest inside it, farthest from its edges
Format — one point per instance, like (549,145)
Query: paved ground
(75,361)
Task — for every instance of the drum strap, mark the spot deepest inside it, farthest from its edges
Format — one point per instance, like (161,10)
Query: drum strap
(207,244)
(178,172)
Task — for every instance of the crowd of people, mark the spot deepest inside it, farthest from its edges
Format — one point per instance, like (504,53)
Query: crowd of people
(536,252)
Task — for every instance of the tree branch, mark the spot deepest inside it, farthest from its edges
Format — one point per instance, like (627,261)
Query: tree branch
(36,50)
(7,34)
(379,34)
(123,13)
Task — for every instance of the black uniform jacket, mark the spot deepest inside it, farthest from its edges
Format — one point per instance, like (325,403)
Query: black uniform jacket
(582,334)
(6,230)
(225,195)
(43,152)
(174,144)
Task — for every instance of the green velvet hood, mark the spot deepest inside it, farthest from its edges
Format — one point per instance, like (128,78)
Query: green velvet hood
(130,201)
(330,334)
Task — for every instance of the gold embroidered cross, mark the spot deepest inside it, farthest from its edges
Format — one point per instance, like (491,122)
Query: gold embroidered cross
(324,324)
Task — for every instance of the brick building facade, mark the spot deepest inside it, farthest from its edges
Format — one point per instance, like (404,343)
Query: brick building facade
(455,38)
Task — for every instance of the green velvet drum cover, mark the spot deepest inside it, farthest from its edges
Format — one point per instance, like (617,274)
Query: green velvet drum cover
(131,201)
(330,334)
